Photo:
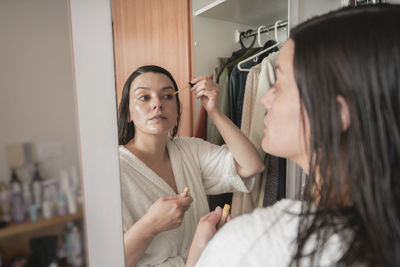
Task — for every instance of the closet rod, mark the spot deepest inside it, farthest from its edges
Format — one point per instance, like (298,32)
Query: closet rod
(249,33)
(365,2)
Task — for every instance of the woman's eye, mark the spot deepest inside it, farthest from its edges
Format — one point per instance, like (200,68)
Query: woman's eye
(168,96)
(143,97)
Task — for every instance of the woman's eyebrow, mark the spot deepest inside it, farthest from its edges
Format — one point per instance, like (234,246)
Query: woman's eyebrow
(141,87)
(147,88)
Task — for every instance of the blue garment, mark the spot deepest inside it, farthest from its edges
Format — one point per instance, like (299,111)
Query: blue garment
(237,84)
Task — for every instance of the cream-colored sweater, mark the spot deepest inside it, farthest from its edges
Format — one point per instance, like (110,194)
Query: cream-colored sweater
(203,167)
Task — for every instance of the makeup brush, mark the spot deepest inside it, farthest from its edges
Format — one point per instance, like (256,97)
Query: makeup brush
(187,86)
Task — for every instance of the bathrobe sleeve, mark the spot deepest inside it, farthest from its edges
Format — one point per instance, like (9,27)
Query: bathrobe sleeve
(217,167)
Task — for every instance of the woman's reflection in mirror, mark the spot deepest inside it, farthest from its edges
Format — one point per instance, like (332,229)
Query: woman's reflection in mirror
(156,165)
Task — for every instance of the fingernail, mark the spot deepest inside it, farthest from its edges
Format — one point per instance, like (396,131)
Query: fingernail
(218,208)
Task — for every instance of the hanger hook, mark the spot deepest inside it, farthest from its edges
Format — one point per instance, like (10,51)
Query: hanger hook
(259,35)
(276,30)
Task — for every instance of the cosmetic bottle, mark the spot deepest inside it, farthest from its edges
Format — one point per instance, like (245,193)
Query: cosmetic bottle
(67,192)
(73,244)
(5,202)
(17,201)
(76,246)
(47,205)
(37,187)
(27,193)
(61,205)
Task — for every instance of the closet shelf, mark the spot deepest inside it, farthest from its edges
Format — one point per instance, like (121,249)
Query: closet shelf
(14,229)
(247,12)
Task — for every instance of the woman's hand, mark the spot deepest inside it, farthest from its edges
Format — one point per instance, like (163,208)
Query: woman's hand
(167,213)
(206,229)
(207,91)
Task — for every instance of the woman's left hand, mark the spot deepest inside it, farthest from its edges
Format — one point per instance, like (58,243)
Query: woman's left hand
(206,229)
(207,91)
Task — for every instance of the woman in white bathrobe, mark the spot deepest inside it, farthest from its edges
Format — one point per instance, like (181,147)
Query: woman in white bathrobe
(159,221)
(335,110)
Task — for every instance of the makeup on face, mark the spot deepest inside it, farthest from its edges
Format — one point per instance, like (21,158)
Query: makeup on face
(146,90)
(152,108)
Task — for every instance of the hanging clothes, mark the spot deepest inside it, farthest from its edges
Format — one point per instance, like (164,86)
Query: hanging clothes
(222,61)
(213,135)
(253,127)
(237,83)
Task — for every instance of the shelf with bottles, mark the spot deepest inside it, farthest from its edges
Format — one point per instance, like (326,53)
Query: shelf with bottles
(14,228)
(44,202)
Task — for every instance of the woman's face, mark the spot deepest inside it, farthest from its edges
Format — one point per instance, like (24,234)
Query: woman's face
(152,108)
(283,124)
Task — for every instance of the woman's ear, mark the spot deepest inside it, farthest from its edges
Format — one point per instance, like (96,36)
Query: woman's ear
(344,112)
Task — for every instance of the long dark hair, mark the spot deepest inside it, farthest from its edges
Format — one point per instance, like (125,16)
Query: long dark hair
(126,129)
(353,53)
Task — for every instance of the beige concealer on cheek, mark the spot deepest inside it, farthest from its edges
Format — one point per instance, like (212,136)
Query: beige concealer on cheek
(139,108)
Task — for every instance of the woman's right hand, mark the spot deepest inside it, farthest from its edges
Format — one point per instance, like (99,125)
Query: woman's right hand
(167,213)
(206,229)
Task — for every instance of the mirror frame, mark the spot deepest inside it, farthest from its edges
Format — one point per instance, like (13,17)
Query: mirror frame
(92,39)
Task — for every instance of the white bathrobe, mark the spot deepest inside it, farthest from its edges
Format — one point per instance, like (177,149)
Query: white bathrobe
(203,167)
(267,237)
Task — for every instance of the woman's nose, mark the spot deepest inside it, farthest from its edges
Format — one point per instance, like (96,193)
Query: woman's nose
(267,98)
(156,103)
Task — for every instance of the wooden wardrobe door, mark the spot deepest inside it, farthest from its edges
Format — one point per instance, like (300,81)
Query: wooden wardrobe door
(156,32)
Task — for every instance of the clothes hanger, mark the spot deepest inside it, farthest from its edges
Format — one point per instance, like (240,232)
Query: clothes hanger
(241,42)
(278,44)
(259,35)
(276,31)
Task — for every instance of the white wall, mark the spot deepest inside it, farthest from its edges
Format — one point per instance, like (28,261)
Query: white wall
(36,80)
(212,39)
(301,10)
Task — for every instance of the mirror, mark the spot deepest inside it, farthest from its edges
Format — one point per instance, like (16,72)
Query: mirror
(160,33)
(41,206)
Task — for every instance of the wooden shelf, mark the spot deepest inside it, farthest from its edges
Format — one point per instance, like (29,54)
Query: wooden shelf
(14,229)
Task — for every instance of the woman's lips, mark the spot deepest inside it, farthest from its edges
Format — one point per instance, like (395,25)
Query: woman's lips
(158,117)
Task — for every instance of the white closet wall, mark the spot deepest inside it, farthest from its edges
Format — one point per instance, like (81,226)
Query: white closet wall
(301,10)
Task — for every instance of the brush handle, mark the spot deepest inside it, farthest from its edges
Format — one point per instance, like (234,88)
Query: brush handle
(189,85)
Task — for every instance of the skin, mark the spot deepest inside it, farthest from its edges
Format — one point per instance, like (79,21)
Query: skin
(283,125)
(153,110)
